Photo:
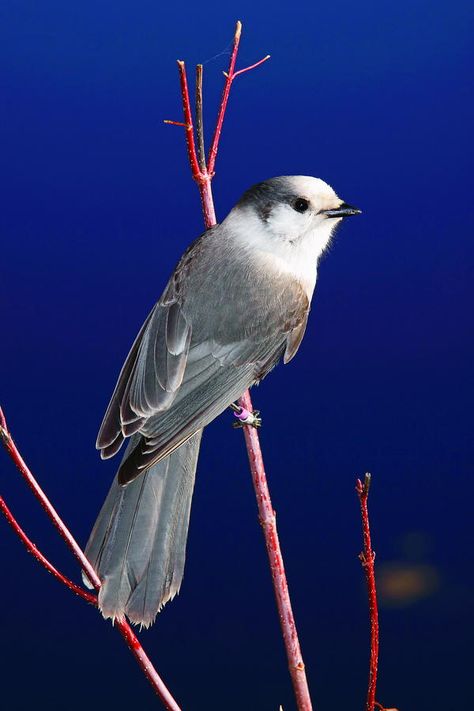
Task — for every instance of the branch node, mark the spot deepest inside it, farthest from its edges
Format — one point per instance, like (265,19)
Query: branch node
(367,480)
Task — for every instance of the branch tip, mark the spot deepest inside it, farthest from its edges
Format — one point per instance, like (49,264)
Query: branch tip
(367,481)
(252,66)
(362,489)
(238,30)
(201,151)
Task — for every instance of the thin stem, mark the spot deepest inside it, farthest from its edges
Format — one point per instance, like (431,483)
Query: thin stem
(367,558)
(45,503)
(199,120)
(265,508)
(252,66)
(225,97)
(277,568)
(31,548)
(230,75)
(188,118)
(122,626)
(146,665)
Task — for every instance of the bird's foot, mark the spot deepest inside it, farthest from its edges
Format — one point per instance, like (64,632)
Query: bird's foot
(245,417)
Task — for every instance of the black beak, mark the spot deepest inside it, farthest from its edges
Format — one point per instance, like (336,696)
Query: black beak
(344,210)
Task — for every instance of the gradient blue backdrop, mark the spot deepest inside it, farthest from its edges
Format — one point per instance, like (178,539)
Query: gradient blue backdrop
(98,205)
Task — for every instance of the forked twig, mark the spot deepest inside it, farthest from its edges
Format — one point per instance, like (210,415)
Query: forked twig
(202,172)
(123,627)
(36,553)
(203,175)
(229,78)
(51,512)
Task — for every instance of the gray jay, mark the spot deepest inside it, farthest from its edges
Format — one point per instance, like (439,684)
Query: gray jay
(237,303)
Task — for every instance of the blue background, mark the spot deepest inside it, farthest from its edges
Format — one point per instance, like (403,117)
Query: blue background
(98,205)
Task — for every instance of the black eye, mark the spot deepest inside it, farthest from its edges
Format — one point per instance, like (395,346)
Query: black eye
(301,205)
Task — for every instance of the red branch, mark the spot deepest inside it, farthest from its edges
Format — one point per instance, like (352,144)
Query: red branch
(268,522)
(31,548)
(204,175)
(367,558)
(229,78)
(265,508)
(51,512)
(122,626)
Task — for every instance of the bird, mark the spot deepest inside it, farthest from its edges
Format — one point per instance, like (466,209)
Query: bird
(236,304)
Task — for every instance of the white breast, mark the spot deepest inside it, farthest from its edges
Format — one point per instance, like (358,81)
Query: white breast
(298,256)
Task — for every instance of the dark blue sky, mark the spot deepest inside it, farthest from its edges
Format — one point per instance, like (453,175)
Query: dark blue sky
(98,205)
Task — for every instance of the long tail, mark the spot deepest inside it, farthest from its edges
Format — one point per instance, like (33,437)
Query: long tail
(138,543)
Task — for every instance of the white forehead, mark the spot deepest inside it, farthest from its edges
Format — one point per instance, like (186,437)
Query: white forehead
(311,188)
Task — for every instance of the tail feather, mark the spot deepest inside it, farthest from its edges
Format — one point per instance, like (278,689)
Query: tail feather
(138,543)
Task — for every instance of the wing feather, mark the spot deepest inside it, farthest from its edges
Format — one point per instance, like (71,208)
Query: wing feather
(201,398)
(151,376)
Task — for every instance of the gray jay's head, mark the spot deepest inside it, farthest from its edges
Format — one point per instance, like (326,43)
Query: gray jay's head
(291,211)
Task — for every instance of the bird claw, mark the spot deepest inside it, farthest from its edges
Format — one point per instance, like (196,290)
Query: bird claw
(244,417)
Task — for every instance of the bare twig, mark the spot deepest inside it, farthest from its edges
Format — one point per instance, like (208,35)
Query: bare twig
(123,627)
(51,512)
(265,508)
(247,69)
(31,548)
(229,78)
(277,568)
(146,665)
(199,121)
(188,120)
(201,172)
(367,558)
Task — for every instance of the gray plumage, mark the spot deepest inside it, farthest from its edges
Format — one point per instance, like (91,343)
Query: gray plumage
(138,543)
(236,303)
